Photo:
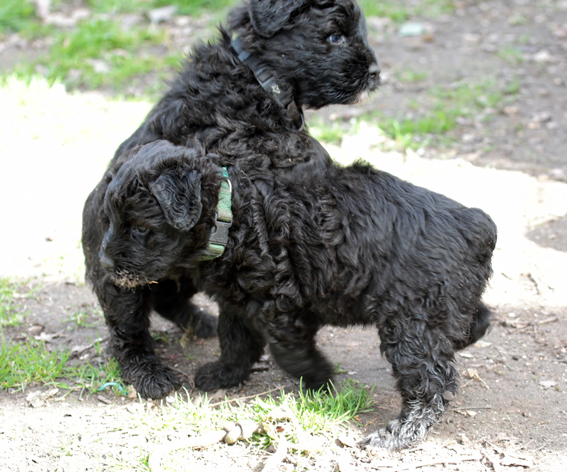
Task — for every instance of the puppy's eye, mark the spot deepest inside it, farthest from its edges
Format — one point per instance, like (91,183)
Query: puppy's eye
(336,38)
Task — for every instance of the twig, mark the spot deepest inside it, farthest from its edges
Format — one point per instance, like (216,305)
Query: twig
(531,277)
(154,460)
(487,407)
(230,434)
(434,462)
(245,398)
(464,385)
(521,446)
(549,320)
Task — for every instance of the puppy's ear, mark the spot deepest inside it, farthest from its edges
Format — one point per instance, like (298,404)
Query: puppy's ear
(269,16)
(178,193)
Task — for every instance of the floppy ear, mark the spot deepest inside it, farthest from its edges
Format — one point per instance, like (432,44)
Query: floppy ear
(178,193)
(269,16)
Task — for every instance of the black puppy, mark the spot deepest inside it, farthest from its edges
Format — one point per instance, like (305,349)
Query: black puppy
(317,244)
(242,97)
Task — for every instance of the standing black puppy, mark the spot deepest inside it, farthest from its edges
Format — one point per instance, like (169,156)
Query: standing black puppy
(319,244)
(241,97)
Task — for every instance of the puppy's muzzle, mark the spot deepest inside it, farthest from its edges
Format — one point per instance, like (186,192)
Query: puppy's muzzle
(374,72)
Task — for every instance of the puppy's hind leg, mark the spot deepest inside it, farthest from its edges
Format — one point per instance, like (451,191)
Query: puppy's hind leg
(127,315)
(173,301)
(241,346)
(421,358)
(292,344)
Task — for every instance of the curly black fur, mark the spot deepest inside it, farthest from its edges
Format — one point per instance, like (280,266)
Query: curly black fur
(317,51)
(313,245)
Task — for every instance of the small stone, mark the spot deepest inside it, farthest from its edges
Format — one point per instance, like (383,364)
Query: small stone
(344,440)
(99,66)
(249,427)
(35,399)
(163,14)
(412,29)
(233,434)
(471,38)
(511,110)
(548,383)
(132,394)
(542,117)
(543,56)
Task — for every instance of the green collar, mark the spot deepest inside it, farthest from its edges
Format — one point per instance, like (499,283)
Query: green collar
(223,221)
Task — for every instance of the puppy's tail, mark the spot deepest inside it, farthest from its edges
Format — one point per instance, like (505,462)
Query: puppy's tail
(478,327)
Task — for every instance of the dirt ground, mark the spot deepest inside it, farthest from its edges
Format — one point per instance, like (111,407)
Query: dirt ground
(511,413)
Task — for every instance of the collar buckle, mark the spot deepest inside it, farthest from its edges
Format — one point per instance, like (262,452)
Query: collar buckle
(282,96)
(220,234)
(218,238)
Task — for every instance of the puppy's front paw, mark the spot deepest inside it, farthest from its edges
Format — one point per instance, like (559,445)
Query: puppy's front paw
(215,375)
(152,380)
(387,438)
(409,429)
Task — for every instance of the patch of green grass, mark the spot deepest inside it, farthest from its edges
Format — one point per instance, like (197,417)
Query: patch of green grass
(328,133)
(24,363)
(511,55)
(430,121)
(316,412)
(387,9)
(80,316)
(308,422)
(184,7)
(448,105)
(517,19)
(160,336)
(466,97)
(94,377)
(15,15)
(196,7)
(10,313)
(402,11)
(118,6)
(409,76)
(513,87)
(405,131)
(100,53)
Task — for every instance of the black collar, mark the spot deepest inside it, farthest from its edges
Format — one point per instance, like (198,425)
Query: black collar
(282,95)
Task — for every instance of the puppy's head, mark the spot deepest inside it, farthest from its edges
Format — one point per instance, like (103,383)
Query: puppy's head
(153,203)
(319,47)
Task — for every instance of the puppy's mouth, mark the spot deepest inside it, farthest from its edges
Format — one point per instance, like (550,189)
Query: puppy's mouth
(362,97)
(126,279)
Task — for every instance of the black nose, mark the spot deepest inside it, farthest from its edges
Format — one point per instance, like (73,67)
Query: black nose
(106,261)
(374,71)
